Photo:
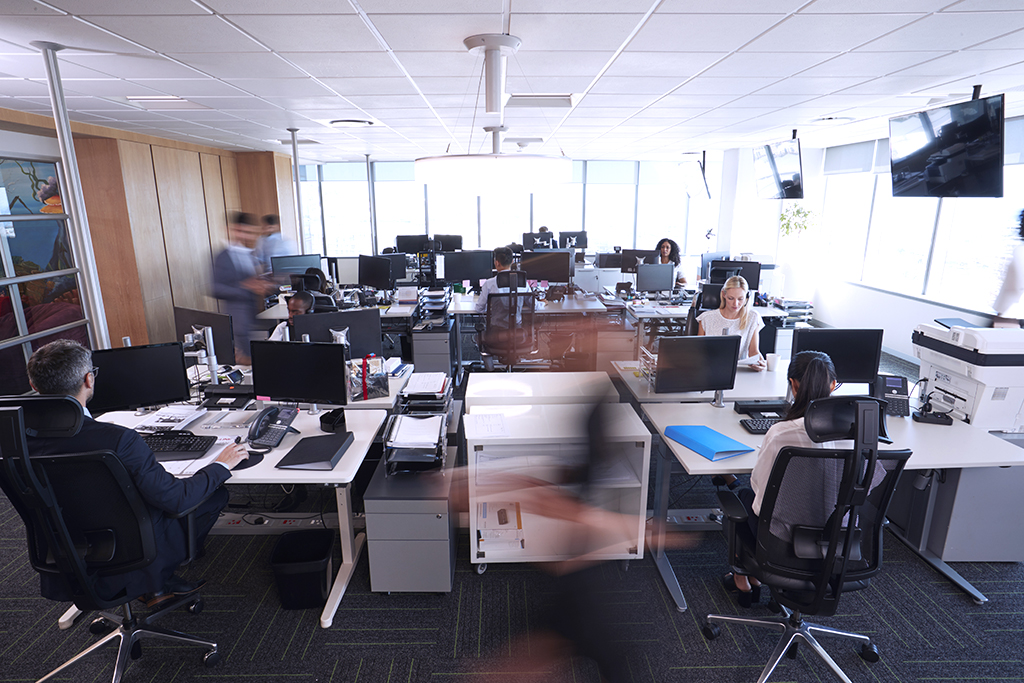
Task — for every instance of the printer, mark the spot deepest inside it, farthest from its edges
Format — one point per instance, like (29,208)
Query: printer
(976,374)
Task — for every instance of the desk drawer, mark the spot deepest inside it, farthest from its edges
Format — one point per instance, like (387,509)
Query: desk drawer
(407,527)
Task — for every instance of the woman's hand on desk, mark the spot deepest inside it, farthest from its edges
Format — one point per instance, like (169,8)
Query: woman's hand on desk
(758,364)
(232,455)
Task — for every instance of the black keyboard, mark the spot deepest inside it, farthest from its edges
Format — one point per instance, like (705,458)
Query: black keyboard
(275,432)
(170,445)
(759,425)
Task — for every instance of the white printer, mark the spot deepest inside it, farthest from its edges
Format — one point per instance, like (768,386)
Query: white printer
(977,374)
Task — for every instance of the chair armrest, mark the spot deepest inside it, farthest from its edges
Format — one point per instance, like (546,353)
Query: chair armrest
(732,508)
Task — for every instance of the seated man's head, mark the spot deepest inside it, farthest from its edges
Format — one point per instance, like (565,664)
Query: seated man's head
(502,258)
(63,367)
(299,304)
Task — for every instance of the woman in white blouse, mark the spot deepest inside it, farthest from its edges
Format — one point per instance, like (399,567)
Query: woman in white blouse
(736,316)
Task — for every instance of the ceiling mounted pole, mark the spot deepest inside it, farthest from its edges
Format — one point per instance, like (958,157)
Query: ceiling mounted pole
(298,194)
(496,48)
(81,238)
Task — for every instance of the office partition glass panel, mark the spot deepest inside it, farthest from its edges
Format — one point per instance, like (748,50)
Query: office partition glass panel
(51,303)
(346,217)
(453,212)
(974,244)
(39,246)
(400,210)
(610,215)
(899,240)
(504,218)
(844,223)
(560,207)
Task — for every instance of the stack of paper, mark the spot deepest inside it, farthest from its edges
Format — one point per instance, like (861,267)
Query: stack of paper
(177,417)
(434,383)
(416,432)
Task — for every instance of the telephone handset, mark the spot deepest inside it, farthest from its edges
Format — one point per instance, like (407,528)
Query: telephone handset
(262,422)
(896,391)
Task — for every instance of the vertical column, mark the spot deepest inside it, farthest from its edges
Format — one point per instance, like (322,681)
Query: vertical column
(298,193)
(92,298)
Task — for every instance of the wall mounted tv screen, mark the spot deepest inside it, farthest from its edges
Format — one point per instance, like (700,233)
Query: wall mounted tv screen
(777,170)
(953,151)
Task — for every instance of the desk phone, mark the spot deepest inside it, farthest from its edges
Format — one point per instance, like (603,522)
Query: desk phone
(270,426)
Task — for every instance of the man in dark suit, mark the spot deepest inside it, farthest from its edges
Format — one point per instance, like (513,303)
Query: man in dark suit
(238,281)
(65,368)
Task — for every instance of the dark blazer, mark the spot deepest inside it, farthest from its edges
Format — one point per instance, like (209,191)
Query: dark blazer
(241,304)
(163,493)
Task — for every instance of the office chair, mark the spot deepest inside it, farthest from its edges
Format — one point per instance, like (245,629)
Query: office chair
(72,541)
(323,303)
(803,552)
(508,332)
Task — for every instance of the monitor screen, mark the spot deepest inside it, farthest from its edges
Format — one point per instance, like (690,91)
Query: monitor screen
(308,372)
(777,170)
(139,376)
(696,363)
(448,242)
(411,244)
(296,264)
(748,270)
(375,272)
(399,265)
(706,259)
(468,265)
(655,277)
(223,336)
(954,151)
(568,240)
(538,240)
(344,269)
(609,261)
(553,266)
(363,329)
(633,257)
(855,353)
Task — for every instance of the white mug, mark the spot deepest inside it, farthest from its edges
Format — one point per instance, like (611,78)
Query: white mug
(773,361)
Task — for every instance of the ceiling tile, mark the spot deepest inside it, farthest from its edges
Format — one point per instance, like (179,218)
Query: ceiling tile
(21,30)
(130,66)
(1008,42)
(950,31)
(872,7)
(583,32)
(121,8)
(525,85)
(434,33)
(829,32)
(810,86)
(19,87)
(309,32)
(371,86)
(244,65)
(191,87)
(32,66)
(280,87)
(276,7)
(27,8)
(734,7)
(106,88)
(869,64)
(780,65)
(563,63)
(180,34)
(703,32)
(964,62)
(345,64)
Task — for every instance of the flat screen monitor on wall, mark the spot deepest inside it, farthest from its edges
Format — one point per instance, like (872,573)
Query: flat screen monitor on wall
(777,170)
(953,151)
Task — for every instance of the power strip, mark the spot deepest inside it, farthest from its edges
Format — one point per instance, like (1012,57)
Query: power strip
(253,523)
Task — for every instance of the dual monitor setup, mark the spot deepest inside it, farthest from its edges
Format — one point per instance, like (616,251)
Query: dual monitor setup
(533,241)
(709,363)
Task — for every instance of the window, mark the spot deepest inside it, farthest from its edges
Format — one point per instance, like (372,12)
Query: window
(346,208)
(846,213)
(399,201)
(661,205)
(899,240)
(610,214)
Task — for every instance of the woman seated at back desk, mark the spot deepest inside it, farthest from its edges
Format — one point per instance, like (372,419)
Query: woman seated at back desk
(736,316)
(668,252)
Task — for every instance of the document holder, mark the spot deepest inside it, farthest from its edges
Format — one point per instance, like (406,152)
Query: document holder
(420,453)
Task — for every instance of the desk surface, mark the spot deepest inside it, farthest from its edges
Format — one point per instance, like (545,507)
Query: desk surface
(655,311)
(395,386)
(935,446)
(464,304)
(542,388)
(364,425)
(280,312)
(750,385)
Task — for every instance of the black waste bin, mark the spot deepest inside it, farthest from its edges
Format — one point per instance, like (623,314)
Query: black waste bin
(302,567)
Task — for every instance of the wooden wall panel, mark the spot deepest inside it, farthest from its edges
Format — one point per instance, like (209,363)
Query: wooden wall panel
(229,178)
(213,192)
(257,182)
(286,198)
(112,243)
(179,183)
(139,183)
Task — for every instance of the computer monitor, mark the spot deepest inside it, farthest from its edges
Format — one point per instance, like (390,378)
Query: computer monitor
(399,265)
(344,269)
(696,363)
(553,266)
(633,257)
(411,244)
(707,258)
(538,240)
(468,265)
(138,377)
(364,334)
(375,272)
(655,277)
(310,372)
(613,260)
(855,353)
(567,240)
(748,270)
(448,242)
(223,336)
(295,264)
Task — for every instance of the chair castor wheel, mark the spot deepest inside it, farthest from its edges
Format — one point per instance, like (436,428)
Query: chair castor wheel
(711,631)
(211,659)
(136,652)
(481,568)
(791,651)
(196,607)
(100,627)
(869,652)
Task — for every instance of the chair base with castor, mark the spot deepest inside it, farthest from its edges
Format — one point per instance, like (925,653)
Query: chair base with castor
(794,631)
(129,629)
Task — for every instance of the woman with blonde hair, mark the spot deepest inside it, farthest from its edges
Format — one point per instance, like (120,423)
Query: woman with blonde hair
(736,316)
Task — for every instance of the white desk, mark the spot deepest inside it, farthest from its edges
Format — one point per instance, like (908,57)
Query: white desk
(935,447)
(364,425)
(465,304)
(661,311)
(280,311)
(536,388)
(750,385)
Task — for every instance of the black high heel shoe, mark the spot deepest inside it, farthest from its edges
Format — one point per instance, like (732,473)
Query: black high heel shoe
(744,598)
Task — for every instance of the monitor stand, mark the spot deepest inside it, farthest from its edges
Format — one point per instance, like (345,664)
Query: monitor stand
(719,401)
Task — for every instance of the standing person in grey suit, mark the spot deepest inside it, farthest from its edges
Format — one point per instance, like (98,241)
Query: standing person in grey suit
(238,281)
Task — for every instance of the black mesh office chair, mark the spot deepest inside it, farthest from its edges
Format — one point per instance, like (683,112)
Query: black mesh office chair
(806,551)
(73,540)
(508,333)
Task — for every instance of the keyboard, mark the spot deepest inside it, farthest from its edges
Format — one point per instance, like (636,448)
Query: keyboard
(169,445)
(759,425)
(275,432)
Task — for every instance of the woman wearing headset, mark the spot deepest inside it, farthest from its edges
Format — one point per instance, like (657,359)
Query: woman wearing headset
(736,316)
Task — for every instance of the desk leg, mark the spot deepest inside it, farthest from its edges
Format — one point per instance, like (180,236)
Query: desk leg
(662,479)
(458,349)
(351,547)
(941,567)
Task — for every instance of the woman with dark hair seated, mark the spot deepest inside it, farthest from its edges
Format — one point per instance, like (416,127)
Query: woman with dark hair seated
(668,252)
